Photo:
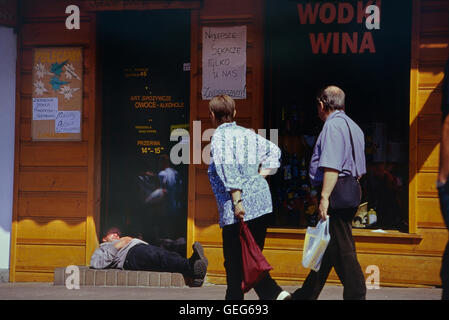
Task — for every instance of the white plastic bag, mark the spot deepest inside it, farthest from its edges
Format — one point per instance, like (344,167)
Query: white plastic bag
(315,244)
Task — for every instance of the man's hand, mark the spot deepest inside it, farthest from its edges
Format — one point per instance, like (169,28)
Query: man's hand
(323,207)
(122,242)
(239,211)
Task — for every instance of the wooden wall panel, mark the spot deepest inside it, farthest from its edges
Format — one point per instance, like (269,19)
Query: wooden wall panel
(202,183)
(23,276)
(55,193)
(429,127)
(47,8)
(428,156)
(426,185)
(51,231)
(429,55)
(429,102)
(435,17)
(243,108)
(404,269)
(208,233)
(52,204)
(25,130)
(215,268)
(207,209)
(433,43)
(428,212)
(430,76)
(45,258)
(71,154)
(394,269)
(391,255)
(433,48)
(53,179)
(227,9)
(54,33)
(434,240)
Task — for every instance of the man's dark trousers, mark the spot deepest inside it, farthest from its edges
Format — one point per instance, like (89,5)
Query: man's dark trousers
(444,273)
(267,288)
(341,255)
(145,257)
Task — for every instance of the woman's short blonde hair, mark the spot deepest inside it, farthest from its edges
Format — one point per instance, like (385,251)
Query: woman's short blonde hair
(223,108)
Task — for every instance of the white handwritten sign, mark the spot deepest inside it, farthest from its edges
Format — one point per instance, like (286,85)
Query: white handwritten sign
(68,122)
(45,108)
(224,62)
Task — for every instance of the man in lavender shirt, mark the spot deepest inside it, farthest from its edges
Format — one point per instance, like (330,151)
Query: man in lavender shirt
(333,158)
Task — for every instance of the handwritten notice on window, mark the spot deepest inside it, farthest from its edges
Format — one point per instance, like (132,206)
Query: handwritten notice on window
(68,122)
(45,108)
(224,62)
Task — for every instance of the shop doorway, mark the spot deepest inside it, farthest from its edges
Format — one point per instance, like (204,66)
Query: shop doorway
(144,61)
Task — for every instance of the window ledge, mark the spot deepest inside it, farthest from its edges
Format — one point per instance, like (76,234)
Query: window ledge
(356,233)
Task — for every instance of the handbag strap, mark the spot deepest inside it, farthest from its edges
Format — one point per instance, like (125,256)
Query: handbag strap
(352,144)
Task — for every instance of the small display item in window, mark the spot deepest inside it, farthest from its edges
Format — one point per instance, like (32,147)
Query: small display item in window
(360,218)
(372,217)
(364,218)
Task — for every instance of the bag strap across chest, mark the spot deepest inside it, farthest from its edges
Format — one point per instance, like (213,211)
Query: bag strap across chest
(352,146)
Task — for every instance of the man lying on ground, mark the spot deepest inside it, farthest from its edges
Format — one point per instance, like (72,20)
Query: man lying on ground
(134,254)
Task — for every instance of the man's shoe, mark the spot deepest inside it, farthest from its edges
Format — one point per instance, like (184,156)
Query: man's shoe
(199,272)
(198,263)
(284,295)
(198,252)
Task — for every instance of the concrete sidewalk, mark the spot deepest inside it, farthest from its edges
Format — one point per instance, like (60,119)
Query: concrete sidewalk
(48,291)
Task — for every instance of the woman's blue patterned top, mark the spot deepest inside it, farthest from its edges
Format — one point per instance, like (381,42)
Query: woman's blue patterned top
(237,154)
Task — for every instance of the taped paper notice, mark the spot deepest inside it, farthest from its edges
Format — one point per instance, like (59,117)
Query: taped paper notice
(68,122)
(45,108)
(224,62)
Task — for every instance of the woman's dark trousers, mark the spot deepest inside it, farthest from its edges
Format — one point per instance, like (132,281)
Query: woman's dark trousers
(266,289)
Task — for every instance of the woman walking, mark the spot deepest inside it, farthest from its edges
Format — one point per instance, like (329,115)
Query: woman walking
(240,161)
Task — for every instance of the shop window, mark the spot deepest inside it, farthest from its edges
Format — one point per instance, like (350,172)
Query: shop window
(312,44)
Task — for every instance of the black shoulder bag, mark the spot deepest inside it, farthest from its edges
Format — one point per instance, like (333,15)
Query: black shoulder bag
(347,192)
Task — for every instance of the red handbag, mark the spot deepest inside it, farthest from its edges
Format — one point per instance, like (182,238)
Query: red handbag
(255,266)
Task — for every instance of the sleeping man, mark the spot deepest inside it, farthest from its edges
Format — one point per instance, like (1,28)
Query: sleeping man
(134,254)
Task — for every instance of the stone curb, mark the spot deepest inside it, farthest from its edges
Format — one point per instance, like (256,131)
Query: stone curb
(116,277)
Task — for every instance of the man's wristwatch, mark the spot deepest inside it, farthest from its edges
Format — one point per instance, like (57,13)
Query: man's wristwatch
(236,202)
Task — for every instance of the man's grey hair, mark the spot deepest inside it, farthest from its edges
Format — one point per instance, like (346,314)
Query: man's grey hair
(333,98)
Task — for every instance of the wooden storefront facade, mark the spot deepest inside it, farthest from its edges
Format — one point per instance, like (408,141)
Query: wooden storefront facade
(57,184)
